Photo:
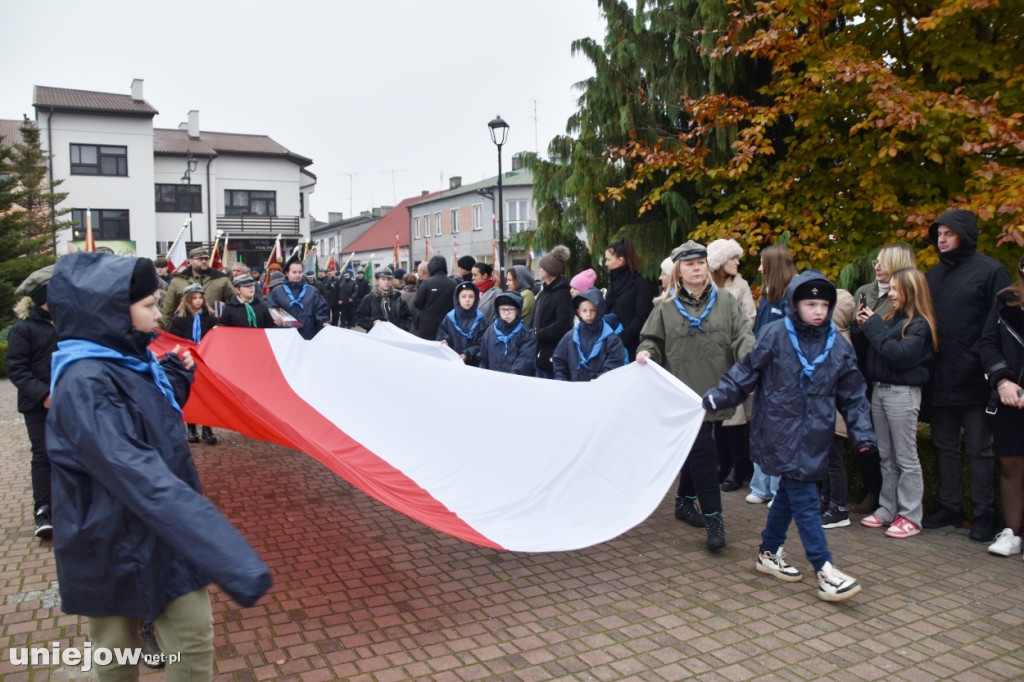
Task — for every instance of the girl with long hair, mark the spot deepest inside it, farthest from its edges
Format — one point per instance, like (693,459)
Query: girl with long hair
(629,294)
(899,348)
(193,318)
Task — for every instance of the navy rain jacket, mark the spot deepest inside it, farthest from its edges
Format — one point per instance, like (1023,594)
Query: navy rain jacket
(516,356)
(792,426)
(132,531)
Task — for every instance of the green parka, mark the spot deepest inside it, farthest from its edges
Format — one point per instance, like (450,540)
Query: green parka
(698,358)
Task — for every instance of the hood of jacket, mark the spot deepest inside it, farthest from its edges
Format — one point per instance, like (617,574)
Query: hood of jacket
(437,265)
(965,224)
(524,278)
(507,298)
(465,317)
(812,339)
(89,299)
(593,294)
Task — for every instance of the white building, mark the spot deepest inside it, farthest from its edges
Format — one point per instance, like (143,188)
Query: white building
(139,187)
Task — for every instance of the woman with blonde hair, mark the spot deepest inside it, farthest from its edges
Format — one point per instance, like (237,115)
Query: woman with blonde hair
(898,348)
(875,296)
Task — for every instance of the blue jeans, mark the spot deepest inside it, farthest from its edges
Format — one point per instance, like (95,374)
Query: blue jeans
(763,485)
(797,501)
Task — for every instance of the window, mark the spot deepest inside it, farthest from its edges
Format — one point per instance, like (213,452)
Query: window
(302,205)
(437,224)
(517,216)
(478,216)
(107,224)
(179,198)
(91,159)
(330,244)
(249,202)
(453,218)
(416,227)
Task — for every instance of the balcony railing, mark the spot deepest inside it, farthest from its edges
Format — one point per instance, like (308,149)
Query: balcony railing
(258,225)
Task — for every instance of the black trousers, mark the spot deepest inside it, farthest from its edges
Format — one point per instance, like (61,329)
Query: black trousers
(699,475)
(35,424)
(733,446)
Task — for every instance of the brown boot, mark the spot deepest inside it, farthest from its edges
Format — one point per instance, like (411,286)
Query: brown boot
(866,506)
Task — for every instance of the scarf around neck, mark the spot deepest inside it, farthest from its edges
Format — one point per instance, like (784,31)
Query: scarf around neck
(505,338)
(72,350)
(697,322)
(809,367)
(472,328)
(595,350)
(294,300)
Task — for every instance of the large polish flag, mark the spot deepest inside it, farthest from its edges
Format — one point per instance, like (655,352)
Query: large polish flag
(567,466)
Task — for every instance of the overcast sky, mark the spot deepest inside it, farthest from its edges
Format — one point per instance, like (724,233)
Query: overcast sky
(397,93)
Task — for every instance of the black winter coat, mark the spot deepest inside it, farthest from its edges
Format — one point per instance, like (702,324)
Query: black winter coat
(963,287)
(893,356)
(388,308)
(517,357)
(433,298)
(234,314)
(181,325)
(30,345)
(793,422)
(1001,346)
(347,292)
(629,298)
(132,530)
(551,318)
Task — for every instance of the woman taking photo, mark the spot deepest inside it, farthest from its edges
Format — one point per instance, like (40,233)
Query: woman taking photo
(899,347)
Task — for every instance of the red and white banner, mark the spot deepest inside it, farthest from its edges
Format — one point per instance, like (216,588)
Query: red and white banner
(576,464)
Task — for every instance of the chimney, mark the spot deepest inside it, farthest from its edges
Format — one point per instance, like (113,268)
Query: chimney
(517,162)
(193,124)
(424,192)
(376,211)
(455,182)
(137,90)
(334,216)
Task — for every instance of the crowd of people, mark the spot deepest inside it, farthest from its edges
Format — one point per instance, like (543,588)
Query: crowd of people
(784,381)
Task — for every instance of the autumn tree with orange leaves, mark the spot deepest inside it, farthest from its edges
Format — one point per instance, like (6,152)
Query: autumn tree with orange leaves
(877,117)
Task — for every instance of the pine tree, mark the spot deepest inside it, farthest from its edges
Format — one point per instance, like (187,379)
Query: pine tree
(28,163)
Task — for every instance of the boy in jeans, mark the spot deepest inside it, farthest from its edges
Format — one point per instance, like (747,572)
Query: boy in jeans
(800,371)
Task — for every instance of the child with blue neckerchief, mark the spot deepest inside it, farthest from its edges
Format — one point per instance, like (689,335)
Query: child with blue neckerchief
(593,347)
(464,325)
(508,345)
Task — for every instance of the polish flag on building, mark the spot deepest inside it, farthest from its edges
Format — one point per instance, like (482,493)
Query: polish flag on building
(552,494)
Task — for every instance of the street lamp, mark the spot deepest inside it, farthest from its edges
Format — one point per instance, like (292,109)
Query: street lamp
(191,163)
(499,133)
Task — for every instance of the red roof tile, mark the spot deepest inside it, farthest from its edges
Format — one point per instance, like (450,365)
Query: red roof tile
(381,237)
(64,99)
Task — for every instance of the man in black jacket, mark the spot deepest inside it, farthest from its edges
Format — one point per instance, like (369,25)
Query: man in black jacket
(434,298)
(347,300)
(963,287)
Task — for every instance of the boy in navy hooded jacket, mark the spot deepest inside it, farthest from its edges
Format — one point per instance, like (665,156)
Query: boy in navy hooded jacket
(463,326)
(800,371)
(507,345)
(593,347)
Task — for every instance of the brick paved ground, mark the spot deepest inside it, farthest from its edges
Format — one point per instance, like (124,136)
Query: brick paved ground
(363,593)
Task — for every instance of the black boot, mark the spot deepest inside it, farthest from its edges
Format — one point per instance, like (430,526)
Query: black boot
(686,510)
(208,436)
(193,434)
(730,484)
(716,531)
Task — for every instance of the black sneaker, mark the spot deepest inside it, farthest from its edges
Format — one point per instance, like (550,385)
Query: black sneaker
(942,517)
(981,529)
(730,484)
(835,517)
(686,510)
(44,527)
(716,531)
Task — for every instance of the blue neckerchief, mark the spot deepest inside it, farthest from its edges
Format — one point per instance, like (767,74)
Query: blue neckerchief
(476,323)
(505,338)
(809,367)
(197,328)
(695,322)
(71,350)
(292,299)
(606,331)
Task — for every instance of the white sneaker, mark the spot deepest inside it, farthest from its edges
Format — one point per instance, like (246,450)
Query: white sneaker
(754,499)
(775,564)
(834,585)
(1006,543)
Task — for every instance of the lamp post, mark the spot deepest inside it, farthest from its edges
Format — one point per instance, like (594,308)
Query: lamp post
(191,163)
(499,133)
